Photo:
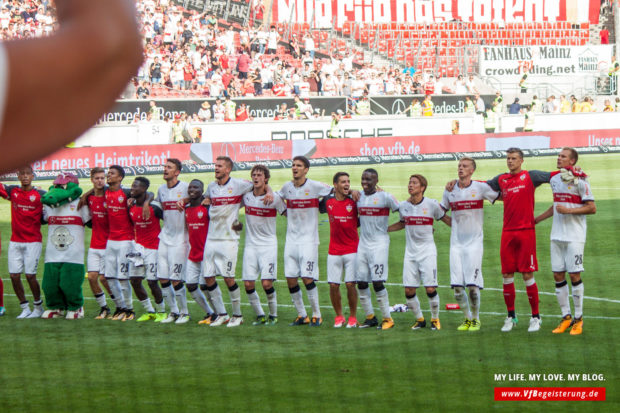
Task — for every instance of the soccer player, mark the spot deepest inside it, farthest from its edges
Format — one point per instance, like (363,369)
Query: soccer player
(197,222)
(301,250)
(225,194)
(260,255)
(143,257)
(373,251)
(466,246)
(417,215)
(26,240)
(95,261)
(173,245)
(572,201)
(343,241)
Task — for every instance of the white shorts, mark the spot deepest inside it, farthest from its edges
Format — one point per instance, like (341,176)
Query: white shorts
(24,257)
(466,267)
(194,272)
(301,261)
(335,266)
(420,273)
(171,261)
(567,256)
(220,258)
(260,260)
(95,261)
(372,265)
(149,269)
(116,261)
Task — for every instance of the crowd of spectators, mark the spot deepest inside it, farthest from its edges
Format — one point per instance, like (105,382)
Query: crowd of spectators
(26,19)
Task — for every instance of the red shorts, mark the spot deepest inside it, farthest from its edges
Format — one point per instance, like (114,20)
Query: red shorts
(518,251)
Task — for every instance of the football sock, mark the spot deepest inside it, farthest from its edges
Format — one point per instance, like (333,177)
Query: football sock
(313,297)
(115,287)
(433,302)
(272,301)
(561,293)
(461,299)
(532,295)
(126,291)
(474,303)
(168,293)
(384,302)
(205,291)
(38,304)
(161,306)
(414,304)
(255,302)
(509,294)
(298,301)
(365,301)
(216,297)
(180,295)
(100,298)
(148,307)
(235,300)
(201,300)
(578,298)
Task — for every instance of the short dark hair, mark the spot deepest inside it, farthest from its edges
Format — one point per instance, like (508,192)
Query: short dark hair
(303,160)
(467,158)
(176,163)
(338,175)
(96,170)
(263,169)
(226,159)
(144,181)
(515,150)
(422,180)
(371,171)
(26,167)
(573,153)
(118,169)
(198,181)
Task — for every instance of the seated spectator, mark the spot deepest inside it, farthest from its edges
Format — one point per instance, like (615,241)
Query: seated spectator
(143,92)
(515,107)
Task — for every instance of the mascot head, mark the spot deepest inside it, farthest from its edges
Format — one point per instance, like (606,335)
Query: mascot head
(63,190)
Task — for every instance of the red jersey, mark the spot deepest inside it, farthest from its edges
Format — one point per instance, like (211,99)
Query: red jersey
(99,221)
(429,87)
(146,230)
(242,114)
(121,228)
(343,222)
(26,213)
(197,219)
(518,196)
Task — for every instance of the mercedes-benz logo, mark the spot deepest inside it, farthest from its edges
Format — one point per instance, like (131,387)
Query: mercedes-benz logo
(333,161)
(398,106)
(140,170)
(498,154)
(419,157)
(376,158)
(228,149)
(535,152)
(288,163)
(191,167)
(605,149)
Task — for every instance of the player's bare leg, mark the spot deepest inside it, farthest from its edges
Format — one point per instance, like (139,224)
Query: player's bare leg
(18,287)
(336,299)
(298,301)
(272,301)
(352,298)
(414,304)
(138,288)
(93,280)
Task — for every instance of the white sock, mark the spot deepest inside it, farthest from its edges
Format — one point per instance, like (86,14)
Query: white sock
(117,291)
(272,301)
(474,298)
(168,293)
(366,302)
(127,297)
(181,296)
(161,307)
(218,303)
(25,305)
(38,305)
(235,301)
(255,303)
(414,304)
(384,303)
(298,302)
(561,293)
(434,304)
(201,300)
(313,298)
(578,299)
(148,307)
(100,298)
(461,299)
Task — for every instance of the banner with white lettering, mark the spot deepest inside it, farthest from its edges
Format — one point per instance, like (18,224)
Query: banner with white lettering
(321,13)
(509,62)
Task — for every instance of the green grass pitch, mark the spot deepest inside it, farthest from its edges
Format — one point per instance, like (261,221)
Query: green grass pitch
(90,365)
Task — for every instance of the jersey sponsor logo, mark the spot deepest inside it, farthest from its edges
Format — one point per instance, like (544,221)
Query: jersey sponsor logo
(374,212)
(418,221)
(55,220)
(226,200)
(562,197)
(302,203)
(260,212)
(169,205)
(465,205)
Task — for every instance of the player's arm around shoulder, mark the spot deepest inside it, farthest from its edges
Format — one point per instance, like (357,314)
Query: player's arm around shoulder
(397,226)
(547,214)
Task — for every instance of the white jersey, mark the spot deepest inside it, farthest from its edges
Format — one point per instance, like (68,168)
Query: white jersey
(303,210)
(260,219)
(65,232)
(467,212)
(374,212)
(418,219)
(569,227)
(174,231)
(225,203)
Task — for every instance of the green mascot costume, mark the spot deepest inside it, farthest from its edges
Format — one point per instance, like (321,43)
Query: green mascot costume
(64,255)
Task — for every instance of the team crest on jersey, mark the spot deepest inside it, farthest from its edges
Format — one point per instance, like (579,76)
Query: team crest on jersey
(32,198)
(105,205)
(522,177)
(570,187)
(307,193)
(72,207)
(349,208)
(375,201)
(425,211)
(121,198)
(473,194)
(229,190)
(200,214)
